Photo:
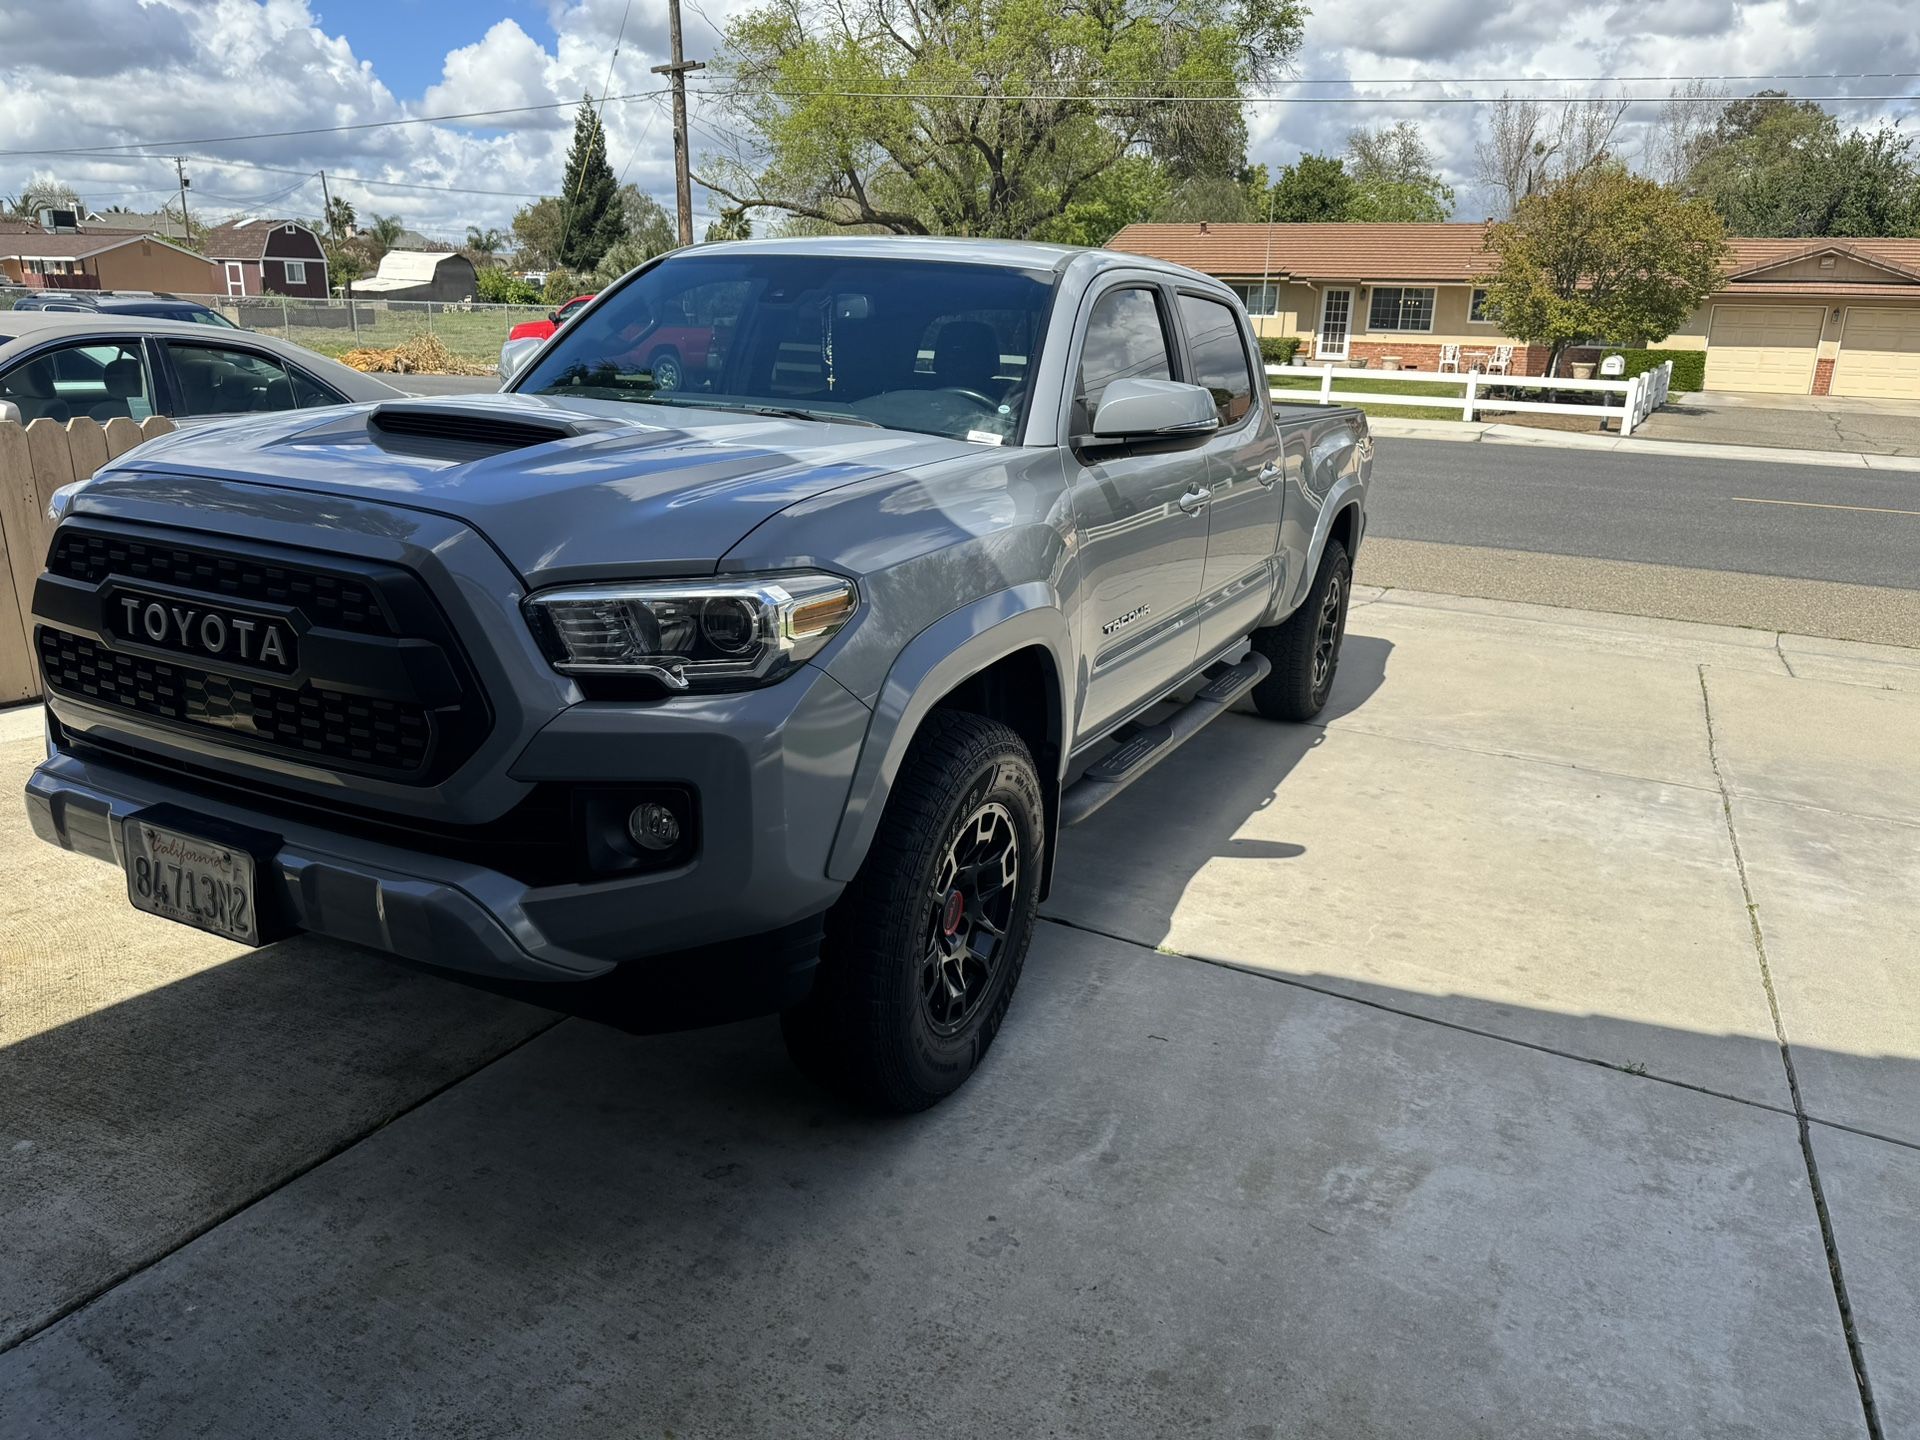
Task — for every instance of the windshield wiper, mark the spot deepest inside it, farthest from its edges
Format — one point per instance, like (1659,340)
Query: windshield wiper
(800,412)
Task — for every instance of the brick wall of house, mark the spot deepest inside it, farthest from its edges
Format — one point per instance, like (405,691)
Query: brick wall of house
(1527,359)
(1822,375)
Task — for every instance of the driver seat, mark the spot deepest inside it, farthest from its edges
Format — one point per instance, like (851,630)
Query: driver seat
(966,356)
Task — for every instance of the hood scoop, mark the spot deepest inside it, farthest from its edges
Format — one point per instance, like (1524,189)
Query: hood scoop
(474,425)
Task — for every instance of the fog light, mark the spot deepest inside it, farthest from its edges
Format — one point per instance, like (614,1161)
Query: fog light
(654,827)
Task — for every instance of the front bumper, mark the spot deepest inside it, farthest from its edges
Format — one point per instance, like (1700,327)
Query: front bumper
(771,769)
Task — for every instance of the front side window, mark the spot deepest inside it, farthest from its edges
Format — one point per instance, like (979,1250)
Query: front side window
(85,381)
(216,380)
(1126,340)
(1219,356)
(931,346)
(1396,307)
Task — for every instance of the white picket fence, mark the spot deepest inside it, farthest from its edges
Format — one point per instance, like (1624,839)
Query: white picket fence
(1640,396)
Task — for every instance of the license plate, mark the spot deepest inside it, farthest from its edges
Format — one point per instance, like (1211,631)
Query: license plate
(203,883)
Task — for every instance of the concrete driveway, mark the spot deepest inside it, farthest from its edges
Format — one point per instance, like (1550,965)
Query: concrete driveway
(1531,1049)
(1792,422)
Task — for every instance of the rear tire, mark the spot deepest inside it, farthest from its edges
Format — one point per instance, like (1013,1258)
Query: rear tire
(668,374)
(924,949)
(1305,647)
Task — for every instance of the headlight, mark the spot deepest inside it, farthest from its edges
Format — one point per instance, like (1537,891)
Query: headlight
(720,634)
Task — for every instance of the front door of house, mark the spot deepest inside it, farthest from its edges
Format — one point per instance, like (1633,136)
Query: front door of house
(1336,318)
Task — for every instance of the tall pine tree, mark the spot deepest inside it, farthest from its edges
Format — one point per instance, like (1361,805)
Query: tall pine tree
(589,196)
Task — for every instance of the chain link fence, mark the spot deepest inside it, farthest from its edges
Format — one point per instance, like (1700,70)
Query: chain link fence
(471,332)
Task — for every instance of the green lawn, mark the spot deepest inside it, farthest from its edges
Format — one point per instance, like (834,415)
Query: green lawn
(474,336)
(1386,382)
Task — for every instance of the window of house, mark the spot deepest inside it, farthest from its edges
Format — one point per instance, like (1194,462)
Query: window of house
(1125,341)
(1477,308)
(1259,299)
(1401,307)
(1219,356)
(296,272)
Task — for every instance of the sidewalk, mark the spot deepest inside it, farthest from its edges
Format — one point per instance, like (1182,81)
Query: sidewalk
(1493,433)
(1463,1065)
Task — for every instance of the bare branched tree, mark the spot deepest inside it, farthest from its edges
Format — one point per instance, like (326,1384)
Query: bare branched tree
(1683,131)
(1532,143)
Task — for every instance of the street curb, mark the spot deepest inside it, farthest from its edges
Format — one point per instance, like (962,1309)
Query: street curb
(1496,434)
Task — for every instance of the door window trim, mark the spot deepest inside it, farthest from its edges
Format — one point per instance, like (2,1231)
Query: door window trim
(1169,327)
(1256,370)
(236,276)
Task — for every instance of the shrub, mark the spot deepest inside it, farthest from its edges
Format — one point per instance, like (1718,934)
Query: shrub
(494,286)
(1689,366)
(1279,349)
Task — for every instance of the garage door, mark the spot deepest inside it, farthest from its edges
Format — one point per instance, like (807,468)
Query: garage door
(1879,355)
(1768,348)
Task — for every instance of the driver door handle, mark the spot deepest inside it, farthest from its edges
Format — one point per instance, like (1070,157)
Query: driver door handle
(1269,473)
(1195,500)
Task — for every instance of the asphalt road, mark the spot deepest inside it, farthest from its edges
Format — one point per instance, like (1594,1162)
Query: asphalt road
(1847,525)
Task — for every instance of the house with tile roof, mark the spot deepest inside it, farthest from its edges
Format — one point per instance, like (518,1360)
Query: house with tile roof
(1795,316)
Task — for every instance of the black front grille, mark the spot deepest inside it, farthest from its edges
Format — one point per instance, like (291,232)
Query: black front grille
(340,602)
(352,731)
(350,706)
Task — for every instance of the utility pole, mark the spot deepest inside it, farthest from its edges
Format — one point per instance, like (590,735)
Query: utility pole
(682,173)
(180,169)
(326,212)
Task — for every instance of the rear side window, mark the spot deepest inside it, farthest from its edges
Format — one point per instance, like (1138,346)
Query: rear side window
(1219,356)
(219,381)
(1126,340)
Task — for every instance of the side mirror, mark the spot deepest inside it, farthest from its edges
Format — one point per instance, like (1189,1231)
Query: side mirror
(10,411)
(553,317)
(514,356)
(1154,409)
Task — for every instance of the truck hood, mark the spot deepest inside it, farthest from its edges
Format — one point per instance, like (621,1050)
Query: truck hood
(605,490)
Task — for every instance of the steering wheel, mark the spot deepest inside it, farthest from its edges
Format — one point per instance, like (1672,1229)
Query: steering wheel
(974,395)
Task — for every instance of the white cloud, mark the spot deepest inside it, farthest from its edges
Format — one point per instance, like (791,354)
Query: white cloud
(181,70)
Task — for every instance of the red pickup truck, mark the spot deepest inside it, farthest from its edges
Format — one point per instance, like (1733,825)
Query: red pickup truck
(541,329)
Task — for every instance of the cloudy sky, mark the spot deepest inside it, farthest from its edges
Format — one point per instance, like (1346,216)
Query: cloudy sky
(185,74)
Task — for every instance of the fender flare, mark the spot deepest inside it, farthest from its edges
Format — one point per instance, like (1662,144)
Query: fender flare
(954,648)
(1348,490)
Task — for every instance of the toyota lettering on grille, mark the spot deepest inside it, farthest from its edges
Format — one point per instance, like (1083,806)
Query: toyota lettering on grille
(212,632)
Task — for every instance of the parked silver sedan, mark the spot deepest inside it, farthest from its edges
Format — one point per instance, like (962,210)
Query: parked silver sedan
(62,366)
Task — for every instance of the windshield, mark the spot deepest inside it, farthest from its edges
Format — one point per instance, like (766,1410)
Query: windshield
(937,347)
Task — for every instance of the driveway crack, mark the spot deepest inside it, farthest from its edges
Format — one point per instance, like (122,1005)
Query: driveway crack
(1827,1237)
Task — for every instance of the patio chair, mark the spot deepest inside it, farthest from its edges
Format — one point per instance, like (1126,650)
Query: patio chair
(1449,359)
(1501,362)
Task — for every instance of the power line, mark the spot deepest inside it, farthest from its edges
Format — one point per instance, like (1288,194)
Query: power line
(284,170)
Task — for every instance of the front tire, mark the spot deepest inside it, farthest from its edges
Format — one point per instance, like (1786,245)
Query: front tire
(924,949)
(1305,647)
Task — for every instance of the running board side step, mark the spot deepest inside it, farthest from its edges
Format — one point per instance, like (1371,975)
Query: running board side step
(1145,746)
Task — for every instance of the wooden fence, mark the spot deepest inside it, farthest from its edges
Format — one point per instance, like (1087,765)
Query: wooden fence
(35,461)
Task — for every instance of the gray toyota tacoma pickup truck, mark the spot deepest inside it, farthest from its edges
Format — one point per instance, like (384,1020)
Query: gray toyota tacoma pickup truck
(762,634)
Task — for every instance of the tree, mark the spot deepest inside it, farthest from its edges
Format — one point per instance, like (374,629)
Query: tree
(1531,144)
(590,202)
(1313,189)
(1602,255)
(339,218)
(484,243)
(383,233)
(536,232)
(1132,190)
(1395,176)
(1679,135)
(645,224)
(43,192)
(1773,166)
(731,224)
(973,117)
